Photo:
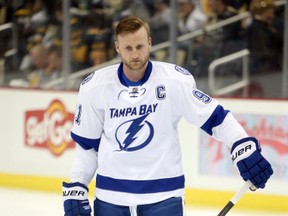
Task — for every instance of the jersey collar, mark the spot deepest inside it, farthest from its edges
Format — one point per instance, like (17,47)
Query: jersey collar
(124,80)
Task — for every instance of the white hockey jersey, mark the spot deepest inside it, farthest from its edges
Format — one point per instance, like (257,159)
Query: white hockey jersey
(133,127)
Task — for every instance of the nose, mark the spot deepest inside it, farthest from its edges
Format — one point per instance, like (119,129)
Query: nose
(134,55)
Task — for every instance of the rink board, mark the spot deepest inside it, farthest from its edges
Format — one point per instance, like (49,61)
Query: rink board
(37,151)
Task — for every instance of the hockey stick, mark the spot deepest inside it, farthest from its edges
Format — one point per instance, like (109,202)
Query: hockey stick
(236,198)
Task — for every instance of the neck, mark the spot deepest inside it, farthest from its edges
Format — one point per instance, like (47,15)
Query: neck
(134,75)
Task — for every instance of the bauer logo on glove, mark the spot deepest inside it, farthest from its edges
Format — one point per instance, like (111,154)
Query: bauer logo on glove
(74,193)
(75,199)
(247,157)
(242,151)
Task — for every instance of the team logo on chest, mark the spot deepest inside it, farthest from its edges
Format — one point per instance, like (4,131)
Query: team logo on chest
(134,134)
(132,92)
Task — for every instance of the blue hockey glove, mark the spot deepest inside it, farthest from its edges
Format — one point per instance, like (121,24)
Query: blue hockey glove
(246,155)
(75,199)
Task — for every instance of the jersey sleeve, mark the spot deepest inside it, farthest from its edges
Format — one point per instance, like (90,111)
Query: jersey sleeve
(84,166)
(88,120)
(229,131)
(204,111)
(197,107)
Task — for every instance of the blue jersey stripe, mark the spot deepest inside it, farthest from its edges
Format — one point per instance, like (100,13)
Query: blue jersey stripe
(215,119)
(140,186)
(85,142)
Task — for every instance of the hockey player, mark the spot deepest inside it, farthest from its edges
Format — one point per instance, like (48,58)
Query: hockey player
(125,127)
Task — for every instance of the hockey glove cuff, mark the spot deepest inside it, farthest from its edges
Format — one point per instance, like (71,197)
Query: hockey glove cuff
(75,198)
(246,155)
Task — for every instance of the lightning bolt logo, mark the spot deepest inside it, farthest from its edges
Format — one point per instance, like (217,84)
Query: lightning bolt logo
(135,126)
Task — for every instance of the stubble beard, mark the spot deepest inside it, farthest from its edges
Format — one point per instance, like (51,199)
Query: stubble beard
(136,65)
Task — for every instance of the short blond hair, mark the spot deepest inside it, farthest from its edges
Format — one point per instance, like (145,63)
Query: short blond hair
(131,24)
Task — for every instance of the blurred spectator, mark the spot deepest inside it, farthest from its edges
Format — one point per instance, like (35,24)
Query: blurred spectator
(34,19)
(160,21)
(79,49)
(219,42)
(150,5)
(190,16)
(45,65)
(264,38)
(98,37)
(32,14)
(39,15)
(228,38)
(38,55)
(132,8)
(33,65)
(239,4)
(30,35)
(54,59)
(53,68)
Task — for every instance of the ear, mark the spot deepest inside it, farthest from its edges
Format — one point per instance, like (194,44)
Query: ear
(150,42)
(116,44)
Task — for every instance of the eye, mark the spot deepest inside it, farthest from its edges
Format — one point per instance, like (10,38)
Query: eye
(139,47)
(129,48)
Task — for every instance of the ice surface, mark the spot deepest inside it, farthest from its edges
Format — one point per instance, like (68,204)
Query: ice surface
(15,202)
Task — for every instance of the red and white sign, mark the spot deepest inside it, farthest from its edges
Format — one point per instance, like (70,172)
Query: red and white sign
(49,128)
(270,130)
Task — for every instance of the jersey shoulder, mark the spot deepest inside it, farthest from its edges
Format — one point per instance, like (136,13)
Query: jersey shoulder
(172,71)
(99,77)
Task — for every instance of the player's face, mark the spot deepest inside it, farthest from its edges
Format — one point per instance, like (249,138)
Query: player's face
(134,49)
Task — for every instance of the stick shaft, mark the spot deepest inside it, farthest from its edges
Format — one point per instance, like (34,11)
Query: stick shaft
(241,192)
(226,209)
(235,198)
